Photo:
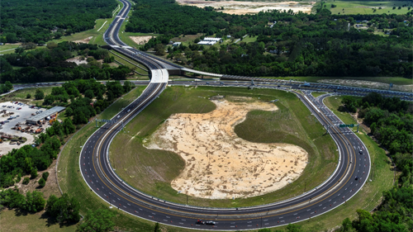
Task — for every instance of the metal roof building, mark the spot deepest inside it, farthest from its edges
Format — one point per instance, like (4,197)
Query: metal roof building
(36,118)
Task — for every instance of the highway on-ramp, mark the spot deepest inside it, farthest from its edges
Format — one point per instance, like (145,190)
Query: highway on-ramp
(103,181)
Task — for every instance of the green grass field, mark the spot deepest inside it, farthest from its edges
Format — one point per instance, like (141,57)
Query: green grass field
(249,39)
(292,124)
(316,94)
(21,95)
(8,48)
(365,7)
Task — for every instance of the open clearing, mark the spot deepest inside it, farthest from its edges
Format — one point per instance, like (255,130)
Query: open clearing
(152,171)
(366,7)
(141,40)
(250,7)
(219,164)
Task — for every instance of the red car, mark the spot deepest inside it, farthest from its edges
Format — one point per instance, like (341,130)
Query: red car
(16,102)
(19,108)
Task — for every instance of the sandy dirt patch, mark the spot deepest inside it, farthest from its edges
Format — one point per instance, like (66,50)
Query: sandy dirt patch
(141,40)
(77,60)
(246,7)
(84,40)
(368,84)
(219,164)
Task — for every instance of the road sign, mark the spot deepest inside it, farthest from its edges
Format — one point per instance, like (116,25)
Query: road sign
(346,125)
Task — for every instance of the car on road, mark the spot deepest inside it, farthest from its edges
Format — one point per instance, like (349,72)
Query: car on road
(357,178)
(200,222)
(361,152)
(210,223)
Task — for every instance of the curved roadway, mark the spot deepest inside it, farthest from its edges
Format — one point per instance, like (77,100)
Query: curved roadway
(101,178)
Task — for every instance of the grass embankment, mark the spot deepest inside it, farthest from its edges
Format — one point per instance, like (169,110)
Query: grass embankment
(316,94)
(366,7)
(138,67)
(292,123)
(71,181)
(394,80)
(380,179)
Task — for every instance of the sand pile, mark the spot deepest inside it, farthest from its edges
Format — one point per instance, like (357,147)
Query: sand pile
(221,165)
(86,40)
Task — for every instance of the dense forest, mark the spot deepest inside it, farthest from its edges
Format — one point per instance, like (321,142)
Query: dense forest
(288,44)
(41,20)
(49,64)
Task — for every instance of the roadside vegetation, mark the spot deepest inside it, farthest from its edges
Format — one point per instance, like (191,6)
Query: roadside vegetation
(302,130)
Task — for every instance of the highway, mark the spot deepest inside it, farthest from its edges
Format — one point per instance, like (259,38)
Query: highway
(102,180)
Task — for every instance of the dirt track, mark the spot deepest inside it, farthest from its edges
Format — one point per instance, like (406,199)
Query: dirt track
(219,164)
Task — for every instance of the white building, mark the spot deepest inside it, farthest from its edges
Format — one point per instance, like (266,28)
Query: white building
(210,41)
(176,44)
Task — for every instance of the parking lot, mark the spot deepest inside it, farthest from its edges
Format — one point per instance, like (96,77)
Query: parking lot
(16,115)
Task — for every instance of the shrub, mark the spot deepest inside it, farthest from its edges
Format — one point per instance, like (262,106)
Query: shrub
(33,173)
(42,182)
(29,95)
(26,180)
(45,175)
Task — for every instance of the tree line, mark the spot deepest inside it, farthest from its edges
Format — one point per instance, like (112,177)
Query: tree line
(391,124)
(39,21)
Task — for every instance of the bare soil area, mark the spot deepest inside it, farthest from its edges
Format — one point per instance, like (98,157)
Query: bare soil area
(77,60)
(219,164)
(141,40)
(86,40)
(250,7)
(368,84)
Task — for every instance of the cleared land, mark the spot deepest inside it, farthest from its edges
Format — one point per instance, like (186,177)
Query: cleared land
(219,164)
(366,7)
(152,171)
(141,40)
(250,7)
